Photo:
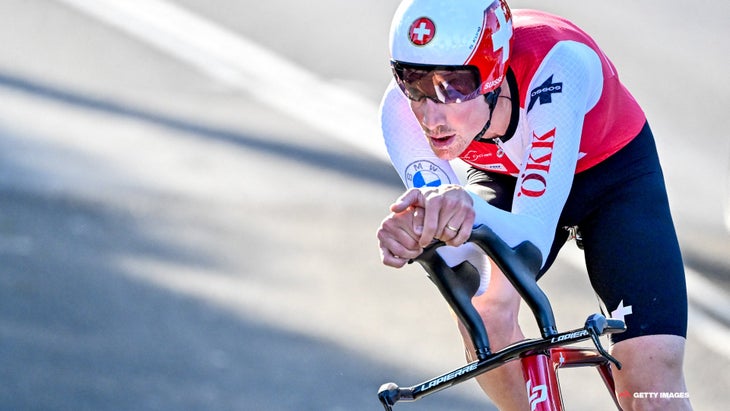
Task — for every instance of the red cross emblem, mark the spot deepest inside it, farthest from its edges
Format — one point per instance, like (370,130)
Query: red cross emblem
(422,31)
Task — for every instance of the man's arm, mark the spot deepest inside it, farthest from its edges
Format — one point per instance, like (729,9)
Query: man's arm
(548,168)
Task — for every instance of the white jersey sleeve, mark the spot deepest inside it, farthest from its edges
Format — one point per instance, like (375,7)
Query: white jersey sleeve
(418,166)
(555,123)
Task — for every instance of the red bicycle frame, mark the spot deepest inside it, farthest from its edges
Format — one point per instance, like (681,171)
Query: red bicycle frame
(541,377)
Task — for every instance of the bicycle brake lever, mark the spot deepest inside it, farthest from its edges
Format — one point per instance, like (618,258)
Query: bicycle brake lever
(596,325)
(601,350)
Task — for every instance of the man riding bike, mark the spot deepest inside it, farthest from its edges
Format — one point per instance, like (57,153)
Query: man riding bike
(554,141)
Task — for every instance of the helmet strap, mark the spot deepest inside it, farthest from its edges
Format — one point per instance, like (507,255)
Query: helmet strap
(491,99)
(492,102)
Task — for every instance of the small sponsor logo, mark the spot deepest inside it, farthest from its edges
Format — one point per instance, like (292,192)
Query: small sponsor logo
(422,31)
(543,93)
(491,85)
(571,336)
(533,182)
(622,311)
(475,156)
(424,173)
(449,376)
(537,394)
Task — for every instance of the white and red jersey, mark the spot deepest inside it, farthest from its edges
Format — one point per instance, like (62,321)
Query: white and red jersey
(574,113)
(545,47)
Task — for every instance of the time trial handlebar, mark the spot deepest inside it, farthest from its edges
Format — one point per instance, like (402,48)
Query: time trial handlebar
(521,265)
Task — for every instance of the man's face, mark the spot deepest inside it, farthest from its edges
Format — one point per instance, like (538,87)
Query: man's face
(450,128)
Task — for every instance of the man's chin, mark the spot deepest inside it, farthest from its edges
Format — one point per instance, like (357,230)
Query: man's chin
(445,155)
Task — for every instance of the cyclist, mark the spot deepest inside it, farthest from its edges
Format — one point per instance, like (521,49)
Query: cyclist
(553,140)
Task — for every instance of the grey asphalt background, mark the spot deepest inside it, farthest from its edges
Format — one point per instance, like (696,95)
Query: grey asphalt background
(170,243)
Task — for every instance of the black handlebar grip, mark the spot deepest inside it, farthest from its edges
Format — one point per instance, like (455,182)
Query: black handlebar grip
(458,285)
(521,265)
(615,326)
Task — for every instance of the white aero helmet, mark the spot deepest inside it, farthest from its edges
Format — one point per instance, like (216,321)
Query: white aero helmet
(452,35)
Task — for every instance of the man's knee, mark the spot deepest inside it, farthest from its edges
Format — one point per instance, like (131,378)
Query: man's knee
(652,352)
(499,308)
(652,369)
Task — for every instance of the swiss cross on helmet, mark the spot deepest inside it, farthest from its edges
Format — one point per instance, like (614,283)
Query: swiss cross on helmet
(447,35)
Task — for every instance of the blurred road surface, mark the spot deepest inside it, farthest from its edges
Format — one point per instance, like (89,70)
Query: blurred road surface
(178,234)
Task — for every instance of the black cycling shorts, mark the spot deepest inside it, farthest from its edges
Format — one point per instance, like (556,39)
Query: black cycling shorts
(631,249)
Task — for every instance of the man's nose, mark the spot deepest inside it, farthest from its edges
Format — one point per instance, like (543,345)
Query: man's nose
(432,114)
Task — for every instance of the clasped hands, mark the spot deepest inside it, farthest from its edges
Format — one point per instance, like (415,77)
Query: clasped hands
(420,215)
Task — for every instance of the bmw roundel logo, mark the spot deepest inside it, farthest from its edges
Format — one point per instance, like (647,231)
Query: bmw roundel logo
(424,173)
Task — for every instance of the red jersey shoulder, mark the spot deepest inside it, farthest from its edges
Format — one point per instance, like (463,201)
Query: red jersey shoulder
(535,34)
